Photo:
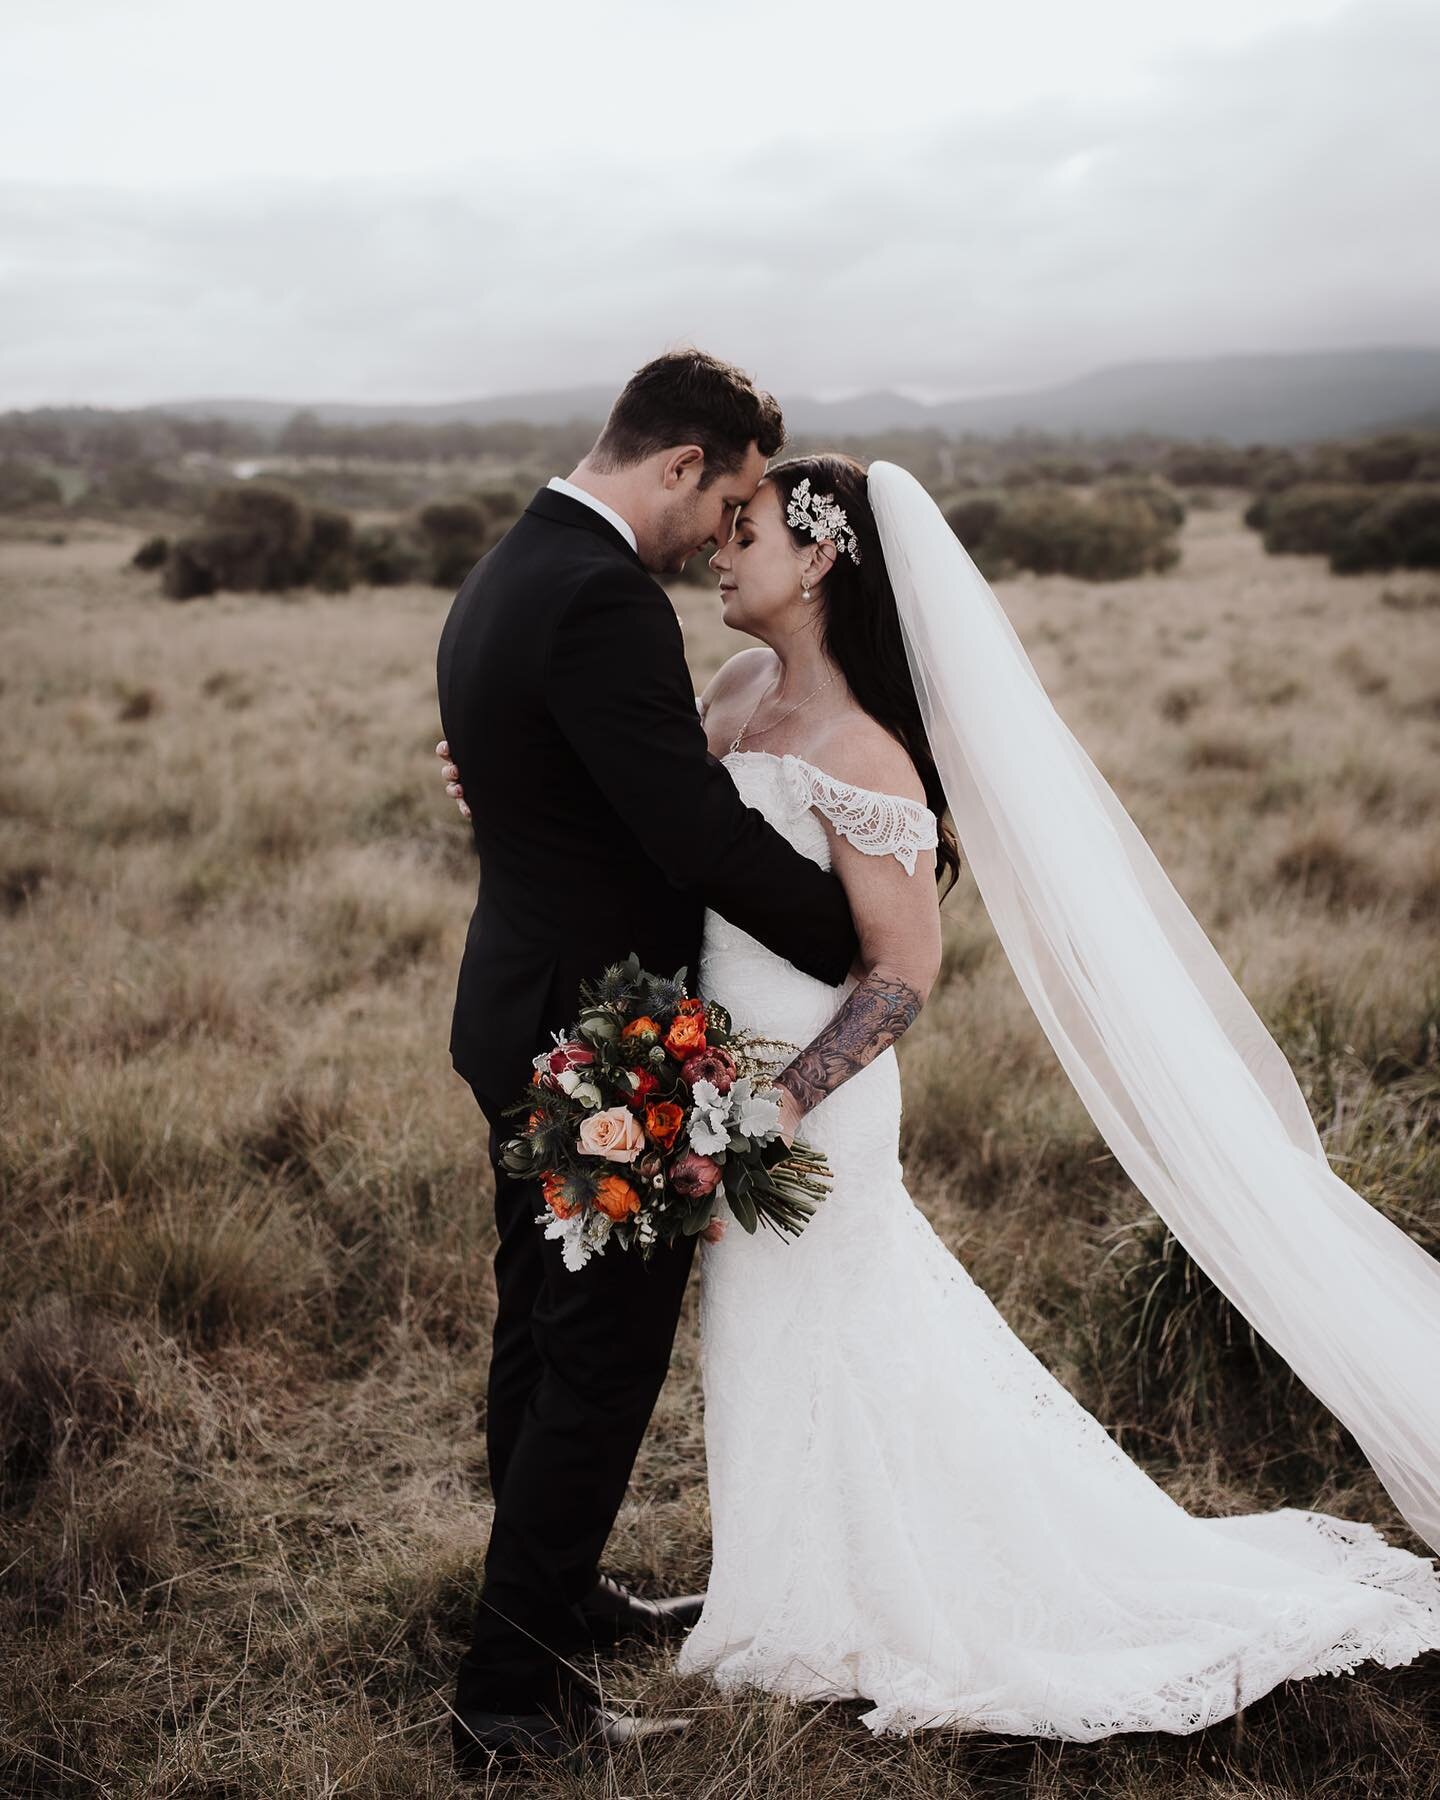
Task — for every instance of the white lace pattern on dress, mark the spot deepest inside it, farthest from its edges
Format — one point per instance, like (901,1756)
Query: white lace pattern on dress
(908,1507)
(878,824)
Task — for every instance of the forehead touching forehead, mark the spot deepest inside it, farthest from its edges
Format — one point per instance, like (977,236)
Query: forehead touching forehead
(739,485)
(761,505)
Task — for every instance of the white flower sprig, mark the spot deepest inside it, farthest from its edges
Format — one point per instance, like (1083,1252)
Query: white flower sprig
(715,1117)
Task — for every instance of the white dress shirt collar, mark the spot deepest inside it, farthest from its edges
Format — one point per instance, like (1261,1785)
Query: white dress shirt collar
(605,512)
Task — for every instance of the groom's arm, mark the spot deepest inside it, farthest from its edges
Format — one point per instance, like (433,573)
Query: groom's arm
(621,692)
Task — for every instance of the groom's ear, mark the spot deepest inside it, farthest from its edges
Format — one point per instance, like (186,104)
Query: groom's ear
(684,464)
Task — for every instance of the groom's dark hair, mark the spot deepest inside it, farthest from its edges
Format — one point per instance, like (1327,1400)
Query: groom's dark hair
(687,397)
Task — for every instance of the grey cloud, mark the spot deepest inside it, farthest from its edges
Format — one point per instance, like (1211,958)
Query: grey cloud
(1275,196)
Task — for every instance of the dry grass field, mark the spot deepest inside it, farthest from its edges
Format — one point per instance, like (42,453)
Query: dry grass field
(246,1225)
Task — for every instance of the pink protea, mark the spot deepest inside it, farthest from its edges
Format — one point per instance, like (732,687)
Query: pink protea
(561,1059)
(714,1065)
(694,1176)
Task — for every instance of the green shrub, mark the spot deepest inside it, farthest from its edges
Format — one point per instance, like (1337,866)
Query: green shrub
(1273,470)
(330,551)
(501,504)
(1208,465)
(1308,519)
(187,573)
(1069,471)
(151,554)
(386,556)
(1393,456)
(455,534)
(133,486)
(973,517)
(1152,491)
(1401,530)
(260,536)
(261,539)
(23,485)
(1053,532)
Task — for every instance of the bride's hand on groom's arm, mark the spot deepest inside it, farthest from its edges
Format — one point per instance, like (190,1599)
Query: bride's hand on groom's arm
(451,777)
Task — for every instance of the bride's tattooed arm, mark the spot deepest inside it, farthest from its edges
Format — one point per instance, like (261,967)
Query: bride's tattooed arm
(877,1013)
(895,908)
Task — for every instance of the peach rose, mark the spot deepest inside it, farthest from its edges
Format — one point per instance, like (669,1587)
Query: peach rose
(614,1133)
(615,1197)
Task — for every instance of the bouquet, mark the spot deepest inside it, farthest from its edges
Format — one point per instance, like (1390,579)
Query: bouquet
(648,1114)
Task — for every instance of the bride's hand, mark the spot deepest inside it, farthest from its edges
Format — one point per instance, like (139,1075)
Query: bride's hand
(452,778)
(790,1115)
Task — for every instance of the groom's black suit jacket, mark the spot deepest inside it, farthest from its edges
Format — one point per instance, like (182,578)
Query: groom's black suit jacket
(603,824)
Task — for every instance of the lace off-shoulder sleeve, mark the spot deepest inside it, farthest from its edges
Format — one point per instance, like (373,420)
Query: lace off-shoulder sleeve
(878,824)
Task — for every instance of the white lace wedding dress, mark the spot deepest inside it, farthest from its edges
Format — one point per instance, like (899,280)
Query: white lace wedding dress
(907,1507)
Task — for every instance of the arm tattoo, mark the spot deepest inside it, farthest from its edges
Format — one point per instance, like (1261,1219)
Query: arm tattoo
(876,1014)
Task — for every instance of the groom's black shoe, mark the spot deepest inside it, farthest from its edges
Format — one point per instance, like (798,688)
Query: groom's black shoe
(489,1743)
(611,1612)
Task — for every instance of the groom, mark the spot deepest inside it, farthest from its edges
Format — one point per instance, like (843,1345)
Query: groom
(603,826)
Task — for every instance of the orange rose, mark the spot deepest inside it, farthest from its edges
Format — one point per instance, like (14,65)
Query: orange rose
(694,1007)
(663,1119)
(642,1027)
(615,1197)
(553,1188)
(685,1036)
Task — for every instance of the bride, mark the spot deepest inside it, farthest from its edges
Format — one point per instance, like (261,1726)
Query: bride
(906,1506)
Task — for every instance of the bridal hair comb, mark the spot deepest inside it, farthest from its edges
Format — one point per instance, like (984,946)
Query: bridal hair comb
(822,518)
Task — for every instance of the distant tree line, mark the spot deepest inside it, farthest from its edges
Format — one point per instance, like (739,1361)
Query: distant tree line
(1096,508)
(403,440)
(88,437)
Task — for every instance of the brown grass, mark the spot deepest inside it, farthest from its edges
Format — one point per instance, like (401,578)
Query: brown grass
(247,1233)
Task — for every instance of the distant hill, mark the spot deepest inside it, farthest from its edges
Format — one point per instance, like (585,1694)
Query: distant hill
(1265,397)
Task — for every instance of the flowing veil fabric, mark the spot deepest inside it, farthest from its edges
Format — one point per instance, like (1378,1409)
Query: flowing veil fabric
(1190,1091)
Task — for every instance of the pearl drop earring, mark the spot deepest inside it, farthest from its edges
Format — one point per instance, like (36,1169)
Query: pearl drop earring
(805,590)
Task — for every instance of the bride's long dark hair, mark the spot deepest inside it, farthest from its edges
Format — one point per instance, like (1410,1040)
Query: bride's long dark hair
(860,628)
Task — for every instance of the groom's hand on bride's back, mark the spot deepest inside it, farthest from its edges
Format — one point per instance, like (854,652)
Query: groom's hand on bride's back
(451,777)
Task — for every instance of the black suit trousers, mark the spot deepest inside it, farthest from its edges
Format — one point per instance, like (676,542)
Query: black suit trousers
(577,1363)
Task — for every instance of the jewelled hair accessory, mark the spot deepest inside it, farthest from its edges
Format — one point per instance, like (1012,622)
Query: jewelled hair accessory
(822,518)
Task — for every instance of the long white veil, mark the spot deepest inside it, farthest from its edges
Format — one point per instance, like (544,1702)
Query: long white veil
(1191,1092)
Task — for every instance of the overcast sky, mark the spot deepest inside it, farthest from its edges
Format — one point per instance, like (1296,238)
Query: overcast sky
(442,198)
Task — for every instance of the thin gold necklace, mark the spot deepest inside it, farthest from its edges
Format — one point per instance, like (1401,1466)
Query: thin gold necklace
(740,734)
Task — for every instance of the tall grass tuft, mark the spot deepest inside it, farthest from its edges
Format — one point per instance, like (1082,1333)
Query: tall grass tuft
(204,1268)
(67,1387)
